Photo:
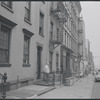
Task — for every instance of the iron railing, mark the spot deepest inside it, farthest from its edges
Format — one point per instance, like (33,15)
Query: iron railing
(3,78)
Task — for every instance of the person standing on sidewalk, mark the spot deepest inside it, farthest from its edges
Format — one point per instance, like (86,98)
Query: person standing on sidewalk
(47,71)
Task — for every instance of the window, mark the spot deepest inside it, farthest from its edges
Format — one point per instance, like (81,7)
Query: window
(27,10)
(41,25)
(57,60)
(61,40)
(67,16)
(7,3)
(67,41)
(6,27)
(67,23)
(51,31)
(26,50)
(50,60)
(4,44)
(27,36)
(65,37)
(57,34)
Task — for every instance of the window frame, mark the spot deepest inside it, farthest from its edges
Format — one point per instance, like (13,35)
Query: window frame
(7,7)
(6,64)
(57,34)
(28,9)
(50,60)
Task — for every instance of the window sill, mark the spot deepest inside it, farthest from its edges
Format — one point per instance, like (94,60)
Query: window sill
(2,4)
(26,65)
(5,65)
(41,35)
(27,21)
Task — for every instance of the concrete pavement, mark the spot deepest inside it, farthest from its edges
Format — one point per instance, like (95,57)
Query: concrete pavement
(81,89)
(28,92)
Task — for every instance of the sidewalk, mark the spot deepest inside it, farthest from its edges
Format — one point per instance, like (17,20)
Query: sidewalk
(28,92)
(81,88)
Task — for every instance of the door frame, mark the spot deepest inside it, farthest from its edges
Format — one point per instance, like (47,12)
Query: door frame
(41,46)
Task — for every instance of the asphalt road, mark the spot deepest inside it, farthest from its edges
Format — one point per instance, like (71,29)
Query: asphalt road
(96,91)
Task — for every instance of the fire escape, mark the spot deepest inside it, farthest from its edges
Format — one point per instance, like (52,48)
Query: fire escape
(59,14)
(80,42)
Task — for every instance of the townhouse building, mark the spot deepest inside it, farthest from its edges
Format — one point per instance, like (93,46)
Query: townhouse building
(33,33)
(24,41)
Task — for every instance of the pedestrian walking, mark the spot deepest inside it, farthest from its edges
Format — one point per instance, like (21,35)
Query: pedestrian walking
(47,71)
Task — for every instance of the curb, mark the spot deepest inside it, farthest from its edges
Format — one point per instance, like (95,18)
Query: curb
(40,93)
(46,90)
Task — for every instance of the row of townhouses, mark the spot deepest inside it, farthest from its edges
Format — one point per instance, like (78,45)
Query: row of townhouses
(33,33)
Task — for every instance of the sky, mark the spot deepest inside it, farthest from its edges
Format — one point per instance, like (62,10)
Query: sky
(91,16)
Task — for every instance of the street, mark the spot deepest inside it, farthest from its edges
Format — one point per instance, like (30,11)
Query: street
(96,90)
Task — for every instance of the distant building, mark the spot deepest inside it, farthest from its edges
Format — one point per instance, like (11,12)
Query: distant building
(89,56)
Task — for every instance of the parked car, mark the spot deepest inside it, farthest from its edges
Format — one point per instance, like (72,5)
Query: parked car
(97,76)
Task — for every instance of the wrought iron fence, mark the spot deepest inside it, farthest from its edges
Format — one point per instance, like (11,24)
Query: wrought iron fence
(55,77)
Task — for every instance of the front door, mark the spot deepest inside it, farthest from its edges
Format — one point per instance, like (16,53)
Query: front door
(68,63)
(39,49)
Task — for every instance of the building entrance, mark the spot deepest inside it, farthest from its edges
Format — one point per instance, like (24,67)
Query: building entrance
(39,50)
